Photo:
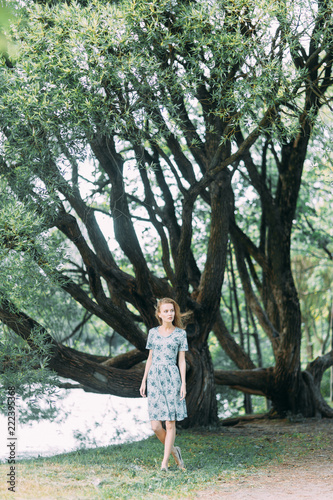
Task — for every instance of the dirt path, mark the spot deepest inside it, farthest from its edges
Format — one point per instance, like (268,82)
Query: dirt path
(296,478)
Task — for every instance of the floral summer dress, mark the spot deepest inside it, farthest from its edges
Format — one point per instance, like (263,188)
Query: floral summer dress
(164,382)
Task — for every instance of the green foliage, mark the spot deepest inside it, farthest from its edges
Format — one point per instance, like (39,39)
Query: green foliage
(6,14)
(26,370)
(23,248)
(30,254)
(73,82)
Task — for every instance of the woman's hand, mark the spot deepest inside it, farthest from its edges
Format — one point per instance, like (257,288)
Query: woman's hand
(183,391)
(143,389)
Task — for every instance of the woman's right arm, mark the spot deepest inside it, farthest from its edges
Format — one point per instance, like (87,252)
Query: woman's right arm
(145,375)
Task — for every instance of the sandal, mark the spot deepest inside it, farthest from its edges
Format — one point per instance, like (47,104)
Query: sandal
(178,457)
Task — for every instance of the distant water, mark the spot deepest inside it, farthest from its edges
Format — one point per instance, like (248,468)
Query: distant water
(92,420)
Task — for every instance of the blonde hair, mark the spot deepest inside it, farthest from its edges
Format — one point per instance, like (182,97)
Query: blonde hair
(177,320)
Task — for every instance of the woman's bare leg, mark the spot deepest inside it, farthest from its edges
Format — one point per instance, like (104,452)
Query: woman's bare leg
(167,438)
(156,425)
(170,436)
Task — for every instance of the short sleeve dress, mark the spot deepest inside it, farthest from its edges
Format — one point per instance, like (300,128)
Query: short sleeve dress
(164,382)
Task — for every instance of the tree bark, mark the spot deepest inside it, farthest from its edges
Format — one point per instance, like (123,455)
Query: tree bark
(201,398)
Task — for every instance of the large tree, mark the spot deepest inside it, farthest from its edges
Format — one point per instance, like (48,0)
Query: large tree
(147,113)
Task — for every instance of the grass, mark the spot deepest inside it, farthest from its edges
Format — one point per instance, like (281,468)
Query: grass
(131,470)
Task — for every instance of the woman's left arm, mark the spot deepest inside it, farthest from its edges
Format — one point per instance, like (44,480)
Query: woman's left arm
(182,369)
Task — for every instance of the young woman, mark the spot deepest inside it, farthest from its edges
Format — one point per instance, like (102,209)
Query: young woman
(166,385)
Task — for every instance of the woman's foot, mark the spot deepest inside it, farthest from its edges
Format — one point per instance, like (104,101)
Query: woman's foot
(176,453)
(164,467)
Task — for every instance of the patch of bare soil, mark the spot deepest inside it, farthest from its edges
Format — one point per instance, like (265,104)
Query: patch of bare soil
(297,478)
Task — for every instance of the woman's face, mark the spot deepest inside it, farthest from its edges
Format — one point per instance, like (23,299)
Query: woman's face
(167,313)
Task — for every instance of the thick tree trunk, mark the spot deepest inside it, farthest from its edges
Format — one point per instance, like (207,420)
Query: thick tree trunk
(201,396)
(306,400)
(301,397)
